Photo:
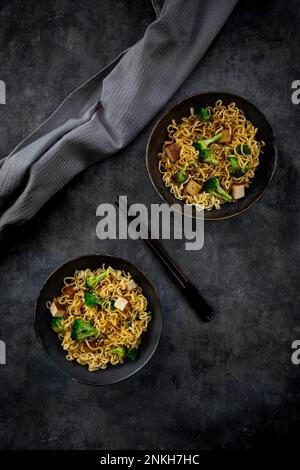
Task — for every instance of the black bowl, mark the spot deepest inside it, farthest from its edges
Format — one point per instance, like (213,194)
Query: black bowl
(50,341)
(263,174)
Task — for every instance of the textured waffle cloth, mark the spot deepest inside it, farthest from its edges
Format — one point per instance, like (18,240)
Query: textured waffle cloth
(108,111)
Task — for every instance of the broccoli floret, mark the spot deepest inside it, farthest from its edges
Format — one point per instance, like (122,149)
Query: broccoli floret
(204,114)
(204,143)
(132,354)
(91,281)
(213,187)
(181,176)
(56,324)
(243,149)
(236,170)
(205,155)
(82,330)
(91,300)
(120,351)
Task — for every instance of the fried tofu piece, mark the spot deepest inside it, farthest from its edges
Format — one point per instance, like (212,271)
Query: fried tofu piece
(131,285)
(173,152)
(121,303)
(238,191)
(192,188)
(226,136)
(57,309)
(69,291)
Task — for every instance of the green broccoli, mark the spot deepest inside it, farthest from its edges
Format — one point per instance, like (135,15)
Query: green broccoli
(82,330)
(205,154)
(91,300)
(204,114)
(91,281)
(120,351)
(213,187)
(56,324)
(132,354)
(243,149)
(236,170)
(181,176)
(204,143)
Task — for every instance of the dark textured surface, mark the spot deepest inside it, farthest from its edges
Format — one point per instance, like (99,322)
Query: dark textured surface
(229,383)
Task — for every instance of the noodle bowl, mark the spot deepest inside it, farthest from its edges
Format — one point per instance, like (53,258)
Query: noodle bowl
(100,317)
(241,149)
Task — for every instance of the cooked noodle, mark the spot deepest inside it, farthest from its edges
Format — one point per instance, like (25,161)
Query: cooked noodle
(116,328)
(185,134)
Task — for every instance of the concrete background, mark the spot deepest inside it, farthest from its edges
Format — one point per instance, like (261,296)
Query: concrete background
(229,383)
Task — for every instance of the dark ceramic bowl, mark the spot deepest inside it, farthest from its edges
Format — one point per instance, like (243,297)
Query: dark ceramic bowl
(50,341)
(263,174)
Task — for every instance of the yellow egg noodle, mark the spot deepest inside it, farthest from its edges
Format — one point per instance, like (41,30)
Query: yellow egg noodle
(117,329)
(186,133)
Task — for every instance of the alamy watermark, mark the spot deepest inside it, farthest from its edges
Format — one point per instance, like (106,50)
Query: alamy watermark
(2,92)
(136,221)
(296,94)
(296,354)
(2,352)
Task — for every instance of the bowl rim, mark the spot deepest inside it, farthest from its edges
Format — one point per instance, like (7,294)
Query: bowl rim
(83,381)
(233,95)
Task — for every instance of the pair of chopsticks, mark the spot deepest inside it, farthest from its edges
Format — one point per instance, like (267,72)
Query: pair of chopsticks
(189,290)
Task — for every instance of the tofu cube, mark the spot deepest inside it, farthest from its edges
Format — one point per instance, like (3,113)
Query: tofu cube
(226,136)
(131,285)
(238,191)
(173,152)
(69,291)
(121,303)
(192,188)
(57,310)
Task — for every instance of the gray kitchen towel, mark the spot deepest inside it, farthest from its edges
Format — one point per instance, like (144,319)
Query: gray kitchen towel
(108,111)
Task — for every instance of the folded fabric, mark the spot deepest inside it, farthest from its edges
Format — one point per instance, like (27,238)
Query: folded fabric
(104,114)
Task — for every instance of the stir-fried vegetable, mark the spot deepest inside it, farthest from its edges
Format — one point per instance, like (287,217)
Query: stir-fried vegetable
(204,114)
(120,351)
(236,170)
(205,154)
(132,354)
(181,176)
(91,281)
(213,187)
(91,300)
(243,149)
(82,330)
(56,324)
